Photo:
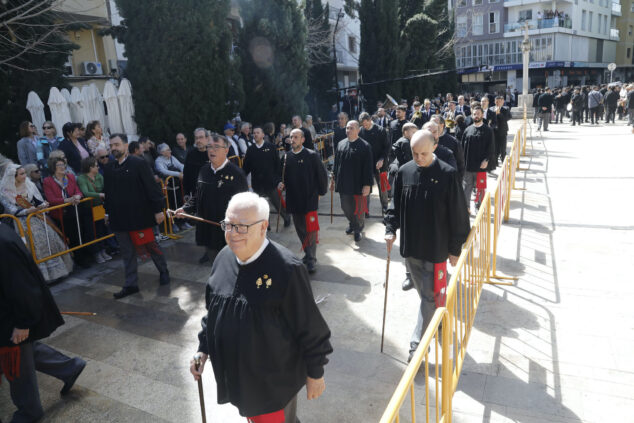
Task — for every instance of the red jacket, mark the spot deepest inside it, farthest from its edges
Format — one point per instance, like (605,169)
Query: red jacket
(53,193)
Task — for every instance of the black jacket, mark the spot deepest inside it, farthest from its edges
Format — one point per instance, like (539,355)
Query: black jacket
(611,99)
(305,179)
(455,146)
(536,99)
(132,195)
(478,145)
(545,100)
(378,140)
(195,160)
(396,130)
(72,153)
(264,166)
(25,300)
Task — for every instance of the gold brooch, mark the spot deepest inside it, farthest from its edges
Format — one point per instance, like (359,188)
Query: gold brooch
(264,280)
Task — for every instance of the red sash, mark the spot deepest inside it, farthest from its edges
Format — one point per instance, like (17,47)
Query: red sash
(312,226)
(385,183)
(275,417)
(144,242)
(440,283)
(481,186)
(10,362)
(360,205)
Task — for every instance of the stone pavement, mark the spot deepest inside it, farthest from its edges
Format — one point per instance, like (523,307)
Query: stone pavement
(537,354)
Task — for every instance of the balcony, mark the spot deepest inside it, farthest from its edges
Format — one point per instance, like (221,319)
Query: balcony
(614,34)
(539,24)
(616,8)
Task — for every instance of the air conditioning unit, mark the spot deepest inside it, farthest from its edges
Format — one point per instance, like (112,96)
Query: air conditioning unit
(91,68)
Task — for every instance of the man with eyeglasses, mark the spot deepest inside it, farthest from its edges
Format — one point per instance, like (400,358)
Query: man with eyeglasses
(218,181)
(261,316)
(103,158)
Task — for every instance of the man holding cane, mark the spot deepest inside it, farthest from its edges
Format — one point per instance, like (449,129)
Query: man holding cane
(429,208)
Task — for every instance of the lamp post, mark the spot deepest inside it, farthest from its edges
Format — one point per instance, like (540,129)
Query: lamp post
(526,49)
(340,15)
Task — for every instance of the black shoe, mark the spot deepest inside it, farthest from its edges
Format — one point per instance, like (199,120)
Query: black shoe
(164,279)
(125,291)
(69,383)
(545,130)
(349,230)
(367,215)
(287,222)
(407,283)
(412,350)
(204,258)
(357,236)
(311,268)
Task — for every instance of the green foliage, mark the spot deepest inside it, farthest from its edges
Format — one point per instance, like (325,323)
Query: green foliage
(378,56)
(274,61)
(179,64)
(36,70)
(321,75)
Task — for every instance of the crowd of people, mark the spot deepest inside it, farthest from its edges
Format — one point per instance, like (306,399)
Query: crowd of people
(426,159)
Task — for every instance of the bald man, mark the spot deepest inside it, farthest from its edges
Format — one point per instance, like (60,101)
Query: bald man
(429,208)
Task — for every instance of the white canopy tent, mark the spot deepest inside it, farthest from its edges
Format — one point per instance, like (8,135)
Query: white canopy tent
(87,105)
(60,114)
(100,111)
(76,106)
(127,108)
(35,106)
(112,103)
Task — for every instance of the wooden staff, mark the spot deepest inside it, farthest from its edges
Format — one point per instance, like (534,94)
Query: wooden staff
(196,218)
(201,396)
(332,193)
(78,313)
(387,278)
(279,209)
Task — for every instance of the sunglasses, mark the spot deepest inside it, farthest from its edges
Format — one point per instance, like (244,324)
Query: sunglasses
(102,157)
(47,127)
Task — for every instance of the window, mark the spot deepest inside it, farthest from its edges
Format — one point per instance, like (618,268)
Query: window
(599,22)
(494,23)
(629,51)
(461,25)
(461,3)
(525,15)
(352,44)
(477,2)
(605,24)
(590,21)
(629,30)
(478,24)
(583,20)
(632,7)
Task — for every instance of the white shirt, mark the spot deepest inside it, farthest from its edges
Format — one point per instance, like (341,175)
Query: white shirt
(219,168)
(300,150)
(257,254)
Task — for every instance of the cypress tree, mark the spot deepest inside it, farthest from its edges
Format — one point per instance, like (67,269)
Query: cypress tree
(179,64)
(321,73)
(274,62)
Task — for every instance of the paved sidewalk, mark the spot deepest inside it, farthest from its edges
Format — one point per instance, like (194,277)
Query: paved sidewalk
(556,347)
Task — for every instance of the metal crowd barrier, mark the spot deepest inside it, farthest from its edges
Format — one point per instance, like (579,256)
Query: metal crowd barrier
(321,142)
(52,255)
(454,322)
(17,222)
(168,222)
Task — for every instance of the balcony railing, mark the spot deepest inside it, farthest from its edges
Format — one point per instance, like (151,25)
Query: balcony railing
(539,24)
(614,33)
(616,8)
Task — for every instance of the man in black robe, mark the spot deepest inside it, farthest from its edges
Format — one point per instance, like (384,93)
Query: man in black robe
(133,203)
(305,180)
(340,130)
(441,152)
(263,164)
(308,137)
(28,313)
(447,140)
(352,177)
(380,144)
(429,208)
(478,145)
(396,126)
(218,181)
(263,331)
(503,115)
(196,158)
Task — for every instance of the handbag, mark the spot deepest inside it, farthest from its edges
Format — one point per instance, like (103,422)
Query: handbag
(98,212)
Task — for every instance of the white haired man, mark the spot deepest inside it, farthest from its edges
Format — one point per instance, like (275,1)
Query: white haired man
(261,316)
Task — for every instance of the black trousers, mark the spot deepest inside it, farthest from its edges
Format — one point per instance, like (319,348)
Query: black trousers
(274,199)
(577,116)
(348,206)
(24,391)
(594,115)
(382,195)
(129,257)
(610,114)
(310,251)
(500,145)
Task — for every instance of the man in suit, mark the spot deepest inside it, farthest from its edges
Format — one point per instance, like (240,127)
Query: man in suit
(502,116)
(427,111)
(462,108)
(383,119)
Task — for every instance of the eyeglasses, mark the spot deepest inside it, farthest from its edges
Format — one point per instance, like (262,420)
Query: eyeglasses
(102,157)
(32,126)
(216,147)
(35,171)
(238,228)
(47,127)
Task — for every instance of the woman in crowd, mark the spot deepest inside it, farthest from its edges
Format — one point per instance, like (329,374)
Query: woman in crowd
(61,188)
(30,147)
(167,165)
(20,197)
(35,175)
(96,138)
(50,135)
(74,147)
(91,185)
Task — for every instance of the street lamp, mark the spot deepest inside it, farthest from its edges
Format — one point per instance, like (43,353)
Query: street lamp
(340,15)
(526,49)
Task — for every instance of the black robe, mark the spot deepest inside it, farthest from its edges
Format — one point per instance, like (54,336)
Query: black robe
(132,195)
(429,208)
(193,162)
(25,300)
(478,145)
(211,199)
(379,142)
(447,140)
(353,166)
(262,341)
(305,179)
(403,152)
(264,166)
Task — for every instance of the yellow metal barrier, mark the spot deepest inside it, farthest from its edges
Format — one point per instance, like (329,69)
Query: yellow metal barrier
(18,224)
(169,220)
(68,250)
(455,323)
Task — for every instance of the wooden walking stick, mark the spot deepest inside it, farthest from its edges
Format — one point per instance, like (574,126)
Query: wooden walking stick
(332,192)
(387,278)
(279,208)
(78,313)
(197,363)
(196,218)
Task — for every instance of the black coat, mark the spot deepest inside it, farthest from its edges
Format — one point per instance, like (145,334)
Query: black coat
(132,195)
(193,162)
(354,167)
(308,139)
(305,179)
(25,300)
(264,166)
(479,145)
(72,153)
(455,146)
(340,134)
(611,99)
(545,100)
(396,130)
(378,140)
(502,119)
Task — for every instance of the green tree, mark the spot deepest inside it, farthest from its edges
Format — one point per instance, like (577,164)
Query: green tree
(321,75)
(33,51)
(274,59)
(379,47)
(179,64)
